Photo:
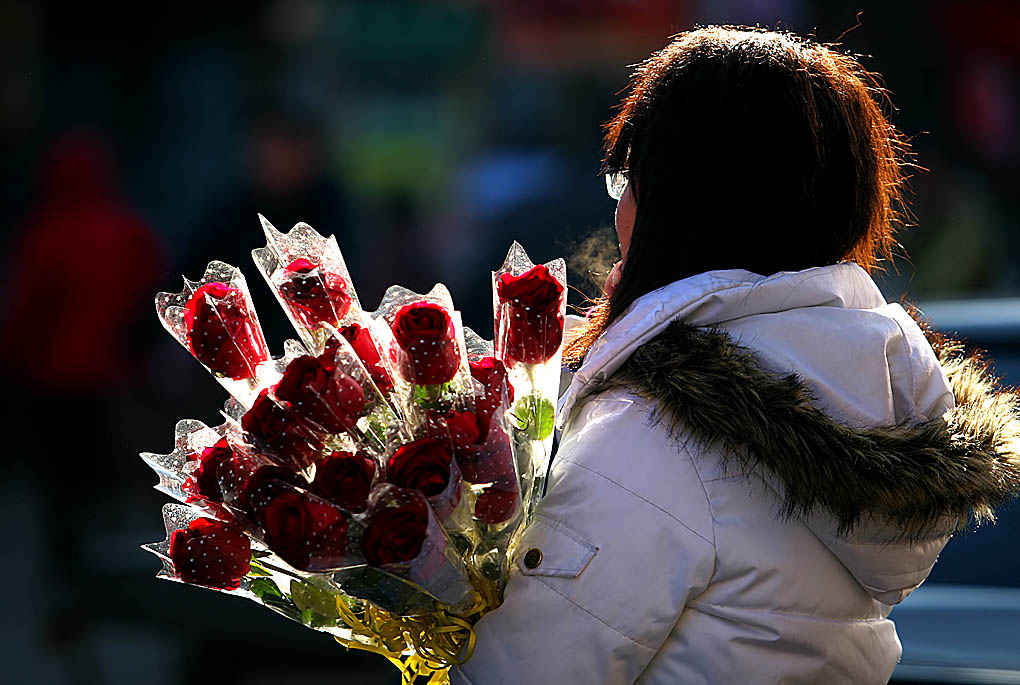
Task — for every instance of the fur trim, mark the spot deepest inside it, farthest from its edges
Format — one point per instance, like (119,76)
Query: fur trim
(915,477)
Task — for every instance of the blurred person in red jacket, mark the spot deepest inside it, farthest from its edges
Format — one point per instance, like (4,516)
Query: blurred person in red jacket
(80,270)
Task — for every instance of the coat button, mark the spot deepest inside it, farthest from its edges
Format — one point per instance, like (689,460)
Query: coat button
(533,557)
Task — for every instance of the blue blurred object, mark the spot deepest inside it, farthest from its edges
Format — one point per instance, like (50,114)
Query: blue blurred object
(961,625)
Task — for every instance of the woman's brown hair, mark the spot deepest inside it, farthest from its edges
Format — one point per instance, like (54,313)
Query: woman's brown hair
(749,149)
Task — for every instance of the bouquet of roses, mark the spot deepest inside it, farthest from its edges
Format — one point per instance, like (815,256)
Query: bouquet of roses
(372,481)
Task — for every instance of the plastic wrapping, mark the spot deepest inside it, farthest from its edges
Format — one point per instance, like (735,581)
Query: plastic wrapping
(425,345)
(423,557)
(312,601)
(371,482)
(191,438)
(529,303)
(214,319)
(309,277)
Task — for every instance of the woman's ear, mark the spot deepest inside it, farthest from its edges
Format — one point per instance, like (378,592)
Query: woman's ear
(613,279)
(626,212)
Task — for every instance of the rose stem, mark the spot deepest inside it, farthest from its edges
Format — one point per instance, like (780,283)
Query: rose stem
(277,569)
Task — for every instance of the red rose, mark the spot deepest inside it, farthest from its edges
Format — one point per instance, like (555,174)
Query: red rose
(313,294)
(364,346)
(491,373)
(459,431)
(233,474)
(424,331)
(395,534)
(534,324)
(308,533)
(210,553)
(493,460)
(278,428)
(328,357)
(496,505)
(204,481)
(345,479)
(331,400)
(263,485)
(222,333)
(422,465)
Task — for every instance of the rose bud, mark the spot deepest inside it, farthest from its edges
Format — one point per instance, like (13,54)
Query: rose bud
(210,553)
(429,355)
(395,534)
(328,357)
(233,476)
(334,401)
(308,533)
(262,486)
(492,461)
(204,481)
(534,325)
(313,294)
(422,465)
(345,479)
(491,373)
(459,431)
(364,346)
(496,505)
(222,333)
(280,430)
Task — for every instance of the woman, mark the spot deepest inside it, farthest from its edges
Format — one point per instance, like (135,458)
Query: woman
(759,456)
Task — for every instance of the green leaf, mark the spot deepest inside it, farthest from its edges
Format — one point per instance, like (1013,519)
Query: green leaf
(310,598)
(307,616)
(266,590)
(535,415)
(271,595)
(376,428)
(431,396)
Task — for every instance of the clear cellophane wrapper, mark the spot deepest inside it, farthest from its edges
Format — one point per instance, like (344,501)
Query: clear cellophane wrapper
(224,335)
(529,340)
(454,384)
(316,295)
(330,454)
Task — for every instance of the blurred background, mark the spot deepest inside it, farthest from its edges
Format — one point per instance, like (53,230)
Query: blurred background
(140,142)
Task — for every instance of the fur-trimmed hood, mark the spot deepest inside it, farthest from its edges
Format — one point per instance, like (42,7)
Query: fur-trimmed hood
(941,473)
(751,365)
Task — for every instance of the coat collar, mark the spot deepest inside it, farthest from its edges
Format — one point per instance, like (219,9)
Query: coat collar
(713,298)
(921,476)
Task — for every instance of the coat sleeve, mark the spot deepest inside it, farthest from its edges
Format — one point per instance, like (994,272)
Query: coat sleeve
(620,542)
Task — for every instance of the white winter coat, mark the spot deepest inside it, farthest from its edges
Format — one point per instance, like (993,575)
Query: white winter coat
(664,561)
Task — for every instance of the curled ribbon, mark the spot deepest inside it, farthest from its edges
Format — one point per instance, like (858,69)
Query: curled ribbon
(424,646)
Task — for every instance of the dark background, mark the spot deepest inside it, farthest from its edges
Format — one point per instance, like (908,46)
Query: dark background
(140,142)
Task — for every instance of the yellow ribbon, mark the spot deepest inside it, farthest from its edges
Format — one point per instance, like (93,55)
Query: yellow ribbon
(424,646)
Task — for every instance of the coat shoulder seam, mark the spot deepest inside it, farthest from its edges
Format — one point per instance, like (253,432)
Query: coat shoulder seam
(702,606)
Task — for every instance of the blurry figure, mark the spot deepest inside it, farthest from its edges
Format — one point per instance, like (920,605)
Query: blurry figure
(986,107)
(982,53)
(79,271)
(82,274)
(285,180)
